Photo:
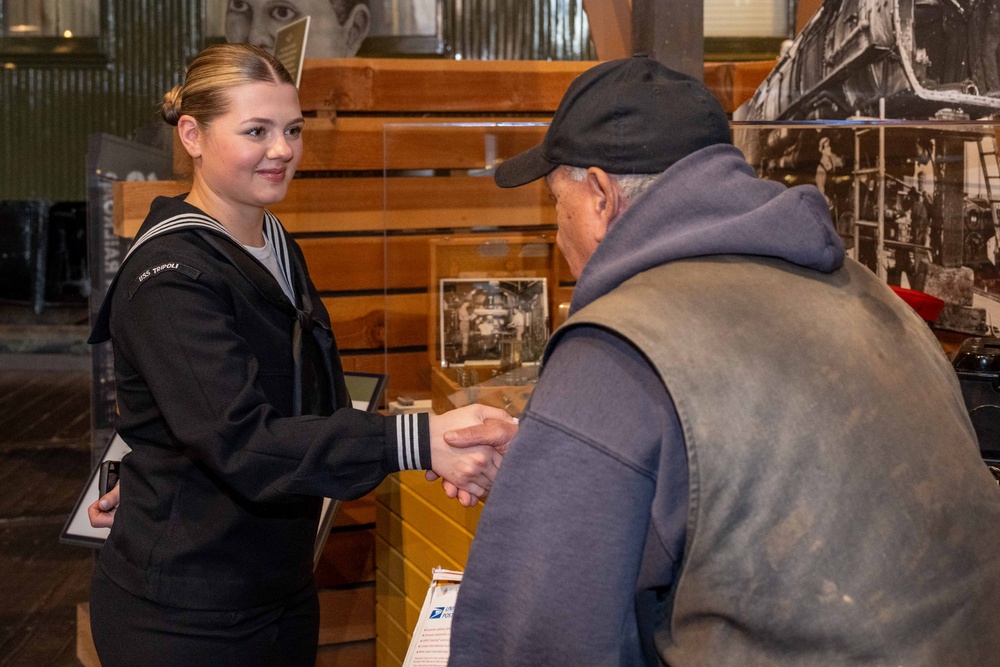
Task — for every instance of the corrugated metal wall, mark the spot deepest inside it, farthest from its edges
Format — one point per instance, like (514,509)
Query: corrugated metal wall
(517,30)
(48,110)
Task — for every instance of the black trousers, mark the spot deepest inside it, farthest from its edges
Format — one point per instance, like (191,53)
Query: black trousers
(130,631)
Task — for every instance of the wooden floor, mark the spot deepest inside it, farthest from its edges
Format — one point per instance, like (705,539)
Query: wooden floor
(45,384)
(44,461)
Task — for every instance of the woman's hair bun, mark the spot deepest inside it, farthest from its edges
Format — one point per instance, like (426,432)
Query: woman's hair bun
(171,107)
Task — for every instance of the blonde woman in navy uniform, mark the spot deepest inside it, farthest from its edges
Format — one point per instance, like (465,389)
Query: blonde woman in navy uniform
(231,395)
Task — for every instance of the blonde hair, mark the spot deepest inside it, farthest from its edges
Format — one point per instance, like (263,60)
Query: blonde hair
(212,73)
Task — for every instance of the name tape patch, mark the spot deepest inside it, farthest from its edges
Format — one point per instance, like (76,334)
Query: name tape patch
(160,268)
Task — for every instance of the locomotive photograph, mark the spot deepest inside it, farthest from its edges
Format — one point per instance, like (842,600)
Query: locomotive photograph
(888,109)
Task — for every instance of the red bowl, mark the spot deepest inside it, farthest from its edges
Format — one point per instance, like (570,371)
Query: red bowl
(928,307)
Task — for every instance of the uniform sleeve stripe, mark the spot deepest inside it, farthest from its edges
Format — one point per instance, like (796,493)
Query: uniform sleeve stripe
(416,444)
(408,442)
(408,445)
(399,441)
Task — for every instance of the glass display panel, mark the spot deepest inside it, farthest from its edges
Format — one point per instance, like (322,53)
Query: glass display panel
(473,275)
(918,203)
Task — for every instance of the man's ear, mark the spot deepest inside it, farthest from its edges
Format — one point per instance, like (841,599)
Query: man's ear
(606,198)
(190,134)
(359,21)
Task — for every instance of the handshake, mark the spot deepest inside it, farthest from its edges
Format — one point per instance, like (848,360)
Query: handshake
(467,446)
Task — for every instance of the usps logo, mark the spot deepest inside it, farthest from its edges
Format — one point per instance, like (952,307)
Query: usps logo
(442,612)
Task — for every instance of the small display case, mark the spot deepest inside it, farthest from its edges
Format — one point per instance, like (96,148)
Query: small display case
(490,301)
(473,272)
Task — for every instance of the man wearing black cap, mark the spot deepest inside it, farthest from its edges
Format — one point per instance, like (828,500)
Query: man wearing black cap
(744,449)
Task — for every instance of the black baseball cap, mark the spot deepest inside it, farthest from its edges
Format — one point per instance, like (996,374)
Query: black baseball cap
(628,116)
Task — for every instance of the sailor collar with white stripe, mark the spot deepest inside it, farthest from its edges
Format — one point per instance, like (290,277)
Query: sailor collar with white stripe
(194,219)
(272,231)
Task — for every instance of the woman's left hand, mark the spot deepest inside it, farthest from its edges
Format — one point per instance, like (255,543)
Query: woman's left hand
(102,511)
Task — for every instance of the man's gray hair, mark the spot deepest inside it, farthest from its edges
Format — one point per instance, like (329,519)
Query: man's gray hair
(632,185)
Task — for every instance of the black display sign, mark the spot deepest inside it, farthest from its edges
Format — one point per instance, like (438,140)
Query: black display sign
(110,159)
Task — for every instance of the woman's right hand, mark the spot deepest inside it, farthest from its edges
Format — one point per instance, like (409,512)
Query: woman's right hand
(496,433)
(102,511)
(468,467)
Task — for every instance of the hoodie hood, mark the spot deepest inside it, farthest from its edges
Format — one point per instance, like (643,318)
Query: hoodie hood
(712,203)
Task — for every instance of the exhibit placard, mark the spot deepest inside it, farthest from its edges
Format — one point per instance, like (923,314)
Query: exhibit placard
(290,46)
(431,642)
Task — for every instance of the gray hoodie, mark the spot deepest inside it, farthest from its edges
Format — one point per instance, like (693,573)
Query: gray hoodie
(712,203)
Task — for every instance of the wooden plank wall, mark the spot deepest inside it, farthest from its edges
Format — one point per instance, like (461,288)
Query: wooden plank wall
(363,235)
(418,529)
(345,576)
(397,162)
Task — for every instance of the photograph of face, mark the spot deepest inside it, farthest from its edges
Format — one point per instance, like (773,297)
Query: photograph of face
(338,27)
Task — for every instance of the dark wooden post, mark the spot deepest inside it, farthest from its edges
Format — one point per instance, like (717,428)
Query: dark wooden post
(672,31)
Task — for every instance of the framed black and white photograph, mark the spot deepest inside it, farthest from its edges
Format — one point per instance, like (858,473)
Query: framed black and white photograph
(363,28)
(290,47)
(501,321)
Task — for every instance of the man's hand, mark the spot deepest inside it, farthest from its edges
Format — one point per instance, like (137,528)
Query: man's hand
(102,511)
(496,433)
(469,469)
